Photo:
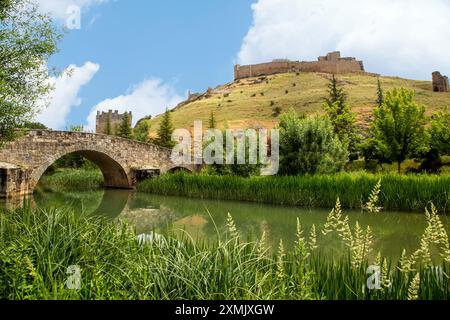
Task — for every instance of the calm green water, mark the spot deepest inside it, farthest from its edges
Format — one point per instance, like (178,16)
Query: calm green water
(393,231)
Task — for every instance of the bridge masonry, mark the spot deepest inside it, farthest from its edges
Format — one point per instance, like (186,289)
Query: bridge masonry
(122,161)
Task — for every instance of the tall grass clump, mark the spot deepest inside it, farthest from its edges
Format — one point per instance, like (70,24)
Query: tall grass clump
(72,180)
(404,193)
(37,247)
(422,274)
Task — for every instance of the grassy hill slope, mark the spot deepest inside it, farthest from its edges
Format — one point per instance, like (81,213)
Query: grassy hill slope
(250,102)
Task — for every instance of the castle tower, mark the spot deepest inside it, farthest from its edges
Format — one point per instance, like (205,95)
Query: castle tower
(440,82)
(109,122)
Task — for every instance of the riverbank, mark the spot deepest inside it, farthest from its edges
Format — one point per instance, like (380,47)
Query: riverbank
(72,180)
(107,260)
(398,192)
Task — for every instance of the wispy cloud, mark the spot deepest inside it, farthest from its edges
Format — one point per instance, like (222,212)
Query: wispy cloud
(65,95)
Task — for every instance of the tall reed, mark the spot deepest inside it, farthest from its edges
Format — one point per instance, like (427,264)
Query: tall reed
(405,193)
(37,247)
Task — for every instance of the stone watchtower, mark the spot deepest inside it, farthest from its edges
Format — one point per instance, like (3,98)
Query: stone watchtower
(440,82)
(110,121)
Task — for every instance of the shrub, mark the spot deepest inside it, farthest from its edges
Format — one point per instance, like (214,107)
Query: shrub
(309,146)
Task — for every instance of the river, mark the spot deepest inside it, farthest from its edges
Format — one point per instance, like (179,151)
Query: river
(392,231)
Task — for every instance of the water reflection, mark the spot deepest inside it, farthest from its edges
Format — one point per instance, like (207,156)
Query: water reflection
(199,218)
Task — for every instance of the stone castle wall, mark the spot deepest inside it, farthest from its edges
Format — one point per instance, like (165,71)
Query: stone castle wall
(331,63)
(115,119)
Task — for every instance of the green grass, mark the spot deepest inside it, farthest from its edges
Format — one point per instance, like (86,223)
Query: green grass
(398,192)
(72,180)
(37,247)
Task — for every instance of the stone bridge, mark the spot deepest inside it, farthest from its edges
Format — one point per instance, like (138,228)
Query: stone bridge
(123,162)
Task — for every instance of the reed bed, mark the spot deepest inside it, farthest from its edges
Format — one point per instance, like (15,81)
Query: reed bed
(398,193)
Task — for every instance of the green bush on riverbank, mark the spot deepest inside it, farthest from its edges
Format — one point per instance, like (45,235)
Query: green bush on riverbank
(405,193)
(72,180)
(37,248)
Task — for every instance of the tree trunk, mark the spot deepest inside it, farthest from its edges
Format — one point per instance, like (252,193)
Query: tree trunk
(399,164)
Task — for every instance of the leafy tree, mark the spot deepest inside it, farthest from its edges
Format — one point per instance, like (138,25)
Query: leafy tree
(309,146)
(27,40)
(34,125)
(398,130)
(124,129)
(341,116)
(440,132)
(242,170)
(380,94)
(165,131)
(439,143)
(141,132)
(212,121)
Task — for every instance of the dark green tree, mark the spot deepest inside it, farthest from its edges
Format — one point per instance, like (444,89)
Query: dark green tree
(142,131)
(212,121)
(440,132)
(380,94)
(336,93)
(342,117)
(439,143)
(165,130)
(398,130)
(33,125)
(309,146)
(27,40)
(124,130)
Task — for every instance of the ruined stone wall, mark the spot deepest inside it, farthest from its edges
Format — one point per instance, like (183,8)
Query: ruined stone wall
(440,82)
(115,119)
(331,63)
(263,69)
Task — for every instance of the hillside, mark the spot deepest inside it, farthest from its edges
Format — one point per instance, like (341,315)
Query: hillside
(250,102)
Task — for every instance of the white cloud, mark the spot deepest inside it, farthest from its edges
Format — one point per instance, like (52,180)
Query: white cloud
(66,94)
(396,37)
(151,97)
(58,8)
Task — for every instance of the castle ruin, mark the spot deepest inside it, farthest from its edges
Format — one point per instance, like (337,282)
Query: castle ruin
(110,119)
(440,82)
(331,63)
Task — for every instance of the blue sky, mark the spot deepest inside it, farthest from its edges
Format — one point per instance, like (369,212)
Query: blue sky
(189,44)
(144,55)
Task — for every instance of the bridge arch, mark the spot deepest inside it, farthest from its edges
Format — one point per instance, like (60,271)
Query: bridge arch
(180,168)
(119,159)
(114,173)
